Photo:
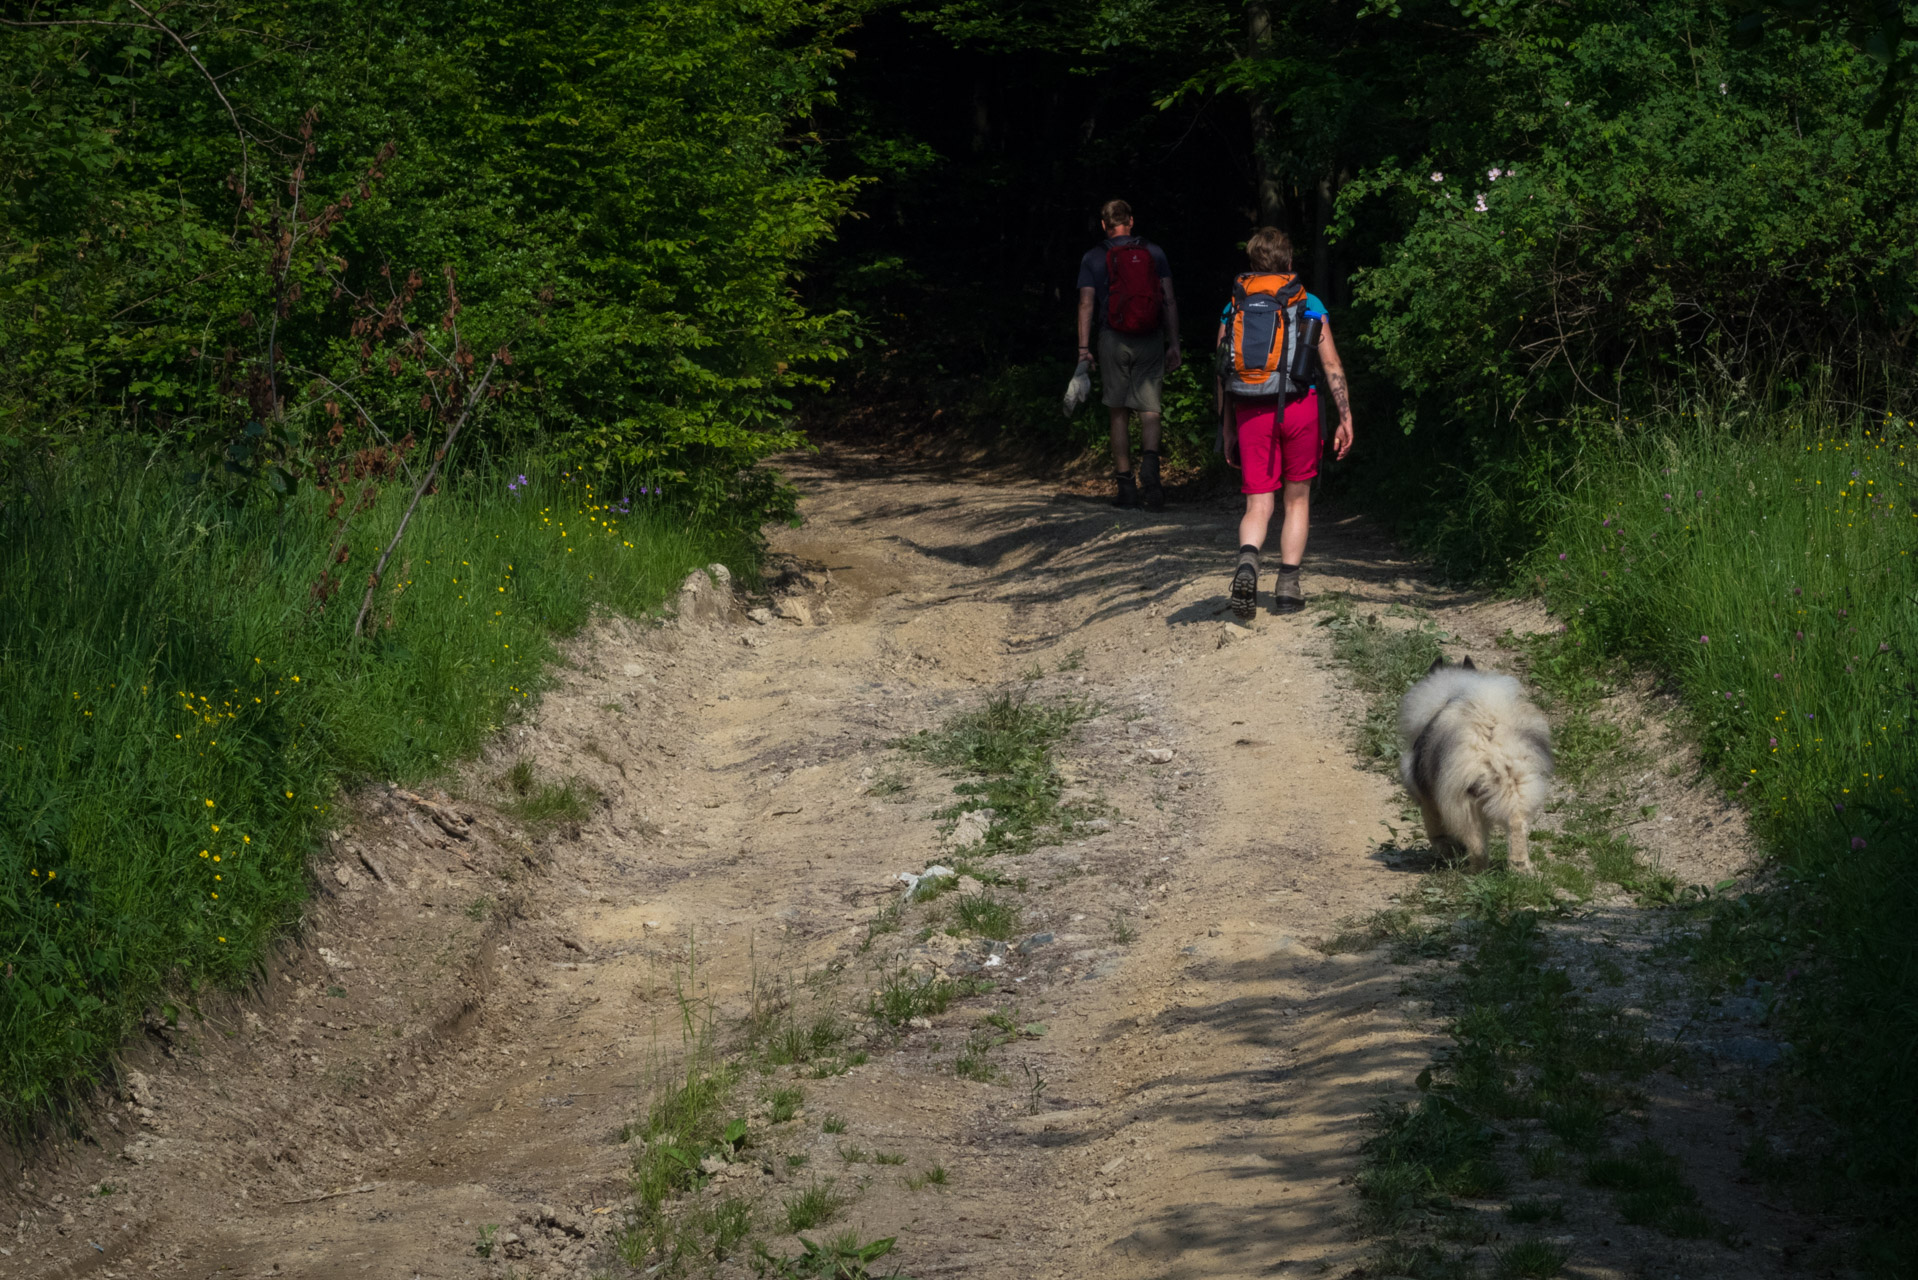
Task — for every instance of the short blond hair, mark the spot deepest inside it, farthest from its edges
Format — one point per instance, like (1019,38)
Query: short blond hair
(1270,250)
(1115,213)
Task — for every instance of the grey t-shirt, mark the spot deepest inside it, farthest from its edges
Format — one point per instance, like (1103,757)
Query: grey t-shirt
(1092,272)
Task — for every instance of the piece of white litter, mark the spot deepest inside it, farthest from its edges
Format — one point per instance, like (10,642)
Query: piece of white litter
(933,873)
(993,962)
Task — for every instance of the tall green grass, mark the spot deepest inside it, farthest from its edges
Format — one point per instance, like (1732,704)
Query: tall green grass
(1769,573)
(178,708)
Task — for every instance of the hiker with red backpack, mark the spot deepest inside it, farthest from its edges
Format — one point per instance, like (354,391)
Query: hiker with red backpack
(1125,287)
(1275,341)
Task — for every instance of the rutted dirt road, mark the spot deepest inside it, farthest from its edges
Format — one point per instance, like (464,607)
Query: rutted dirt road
(475,1013)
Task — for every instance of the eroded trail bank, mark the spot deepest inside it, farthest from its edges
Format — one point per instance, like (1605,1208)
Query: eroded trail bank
(439,1081)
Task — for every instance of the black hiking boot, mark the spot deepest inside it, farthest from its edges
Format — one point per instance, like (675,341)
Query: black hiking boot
(1287,597)
(1149,486)
(1128,495)
(1245,591)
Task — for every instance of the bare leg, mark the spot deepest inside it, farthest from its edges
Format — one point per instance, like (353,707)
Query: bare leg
(1298,516)
(1149,430)
(1257,517)
(1120,421)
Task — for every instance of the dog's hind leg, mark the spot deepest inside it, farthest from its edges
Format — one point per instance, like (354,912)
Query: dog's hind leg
(1434,825)
(1520,859)
(1474,839)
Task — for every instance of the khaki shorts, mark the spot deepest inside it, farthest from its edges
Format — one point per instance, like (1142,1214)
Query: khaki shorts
(1131,370)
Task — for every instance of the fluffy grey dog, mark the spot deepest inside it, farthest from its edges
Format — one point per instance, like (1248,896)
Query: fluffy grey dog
(1474,752)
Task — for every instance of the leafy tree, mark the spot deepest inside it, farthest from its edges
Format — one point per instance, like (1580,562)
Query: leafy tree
(638,174)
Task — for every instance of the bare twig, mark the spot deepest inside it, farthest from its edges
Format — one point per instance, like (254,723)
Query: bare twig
(362,1189)
(475,392)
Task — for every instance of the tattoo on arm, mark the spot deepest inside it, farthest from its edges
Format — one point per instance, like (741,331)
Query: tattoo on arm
(1336,378)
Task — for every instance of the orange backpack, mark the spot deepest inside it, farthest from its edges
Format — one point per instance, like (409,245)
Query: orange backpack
(1267,350)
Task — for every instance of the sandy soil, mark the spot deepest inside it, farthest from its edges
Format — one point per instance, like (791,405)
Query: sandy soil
(474,1011)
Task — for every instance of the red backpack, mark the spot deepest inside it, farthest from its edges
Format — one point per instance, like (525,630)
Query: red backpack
(1133,300)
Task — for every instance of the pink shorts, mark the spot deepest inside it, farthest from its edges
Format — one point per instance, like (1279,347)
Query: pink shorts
(1276,450)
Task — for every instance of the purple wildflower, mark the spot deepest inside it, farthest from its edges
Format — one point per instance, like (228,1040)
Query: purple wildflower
(1704,639)
(1774,742)
(1857,843)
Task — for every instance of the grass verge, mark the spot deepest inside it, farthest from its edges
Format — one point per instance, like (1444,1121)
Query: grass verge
(1765,571)
(181,656)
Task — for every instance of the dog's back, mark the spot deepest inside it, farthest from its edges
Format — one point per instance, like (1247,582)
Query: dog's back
(1474,751)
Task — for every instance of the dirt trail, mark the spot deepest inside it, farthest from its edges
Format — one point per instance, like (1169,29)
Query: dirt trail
(460,1037)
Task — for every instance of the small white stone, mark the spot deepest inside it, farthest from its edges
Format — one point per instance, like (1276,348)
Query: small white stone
(971,829)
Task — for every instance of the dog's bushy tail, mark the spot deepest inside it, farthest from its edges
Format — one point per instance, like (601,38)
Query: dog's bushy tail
(1510,793)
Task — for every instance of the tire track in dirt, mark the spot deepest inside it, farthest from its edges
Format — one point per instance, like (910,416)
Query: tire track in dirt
(1204,1085)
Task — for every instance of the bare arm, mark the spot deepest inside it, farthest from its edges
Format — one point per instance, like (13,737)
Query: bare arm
(1086,297)
(1341,394)
(1172,356)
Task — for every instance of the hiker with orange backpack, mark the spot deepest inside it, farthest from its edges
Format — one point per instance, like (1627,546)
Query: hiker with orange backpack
(1125,287)
(1275,340)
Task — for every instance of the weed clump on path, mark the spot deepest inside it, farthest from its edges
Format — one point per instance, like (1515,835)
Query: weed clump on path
(1007,745)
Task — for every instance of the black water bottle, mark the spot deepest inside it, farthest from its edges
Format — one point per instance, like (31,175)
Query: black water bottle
(1305,356)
